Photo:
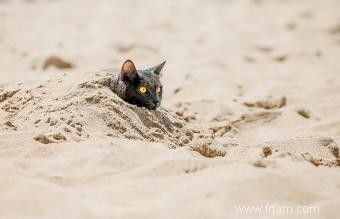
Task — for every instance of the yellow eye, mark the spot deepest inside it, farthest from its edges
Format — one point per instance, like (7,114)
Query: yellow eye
(158,89)
(143,90)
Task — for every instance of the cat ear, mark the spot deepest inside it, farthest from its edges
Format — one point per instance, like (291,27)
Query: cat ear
(128,71)
(158,68)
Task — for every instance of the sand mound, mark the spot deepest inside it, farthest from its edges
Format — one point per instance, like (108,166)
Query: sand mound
(65,109)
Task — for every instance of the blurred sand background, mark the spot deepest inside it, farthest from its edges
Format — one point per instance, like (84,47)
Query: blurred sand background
(251,105)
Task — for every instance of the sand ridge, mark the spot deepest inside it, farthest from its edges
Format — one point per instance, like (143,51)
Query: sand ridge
(67,114)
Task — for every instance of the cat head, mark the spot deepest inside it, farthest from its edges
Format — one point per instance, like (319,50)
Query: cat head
(143,87)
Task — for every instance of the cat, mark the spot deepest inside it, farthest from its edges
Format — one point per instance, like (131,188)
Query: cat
(139,87)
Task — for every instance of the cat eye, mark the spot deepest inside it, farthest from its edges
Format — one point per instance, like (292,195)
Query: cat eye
(143,90)
(158,89)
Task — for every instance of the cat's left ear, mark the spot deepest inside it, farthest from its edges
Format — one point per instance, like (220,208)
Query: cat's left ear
(128,71)
(158,68)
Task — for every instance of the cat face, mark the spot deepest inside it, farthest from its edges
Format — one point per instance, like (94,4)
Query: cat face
(143,87)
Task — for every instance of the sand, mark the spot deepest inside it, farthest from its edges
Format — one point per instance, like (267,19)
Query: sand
(250,113)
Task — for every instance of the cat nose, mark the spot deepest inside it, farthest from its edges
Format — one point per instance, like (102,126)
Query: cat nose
(156,102)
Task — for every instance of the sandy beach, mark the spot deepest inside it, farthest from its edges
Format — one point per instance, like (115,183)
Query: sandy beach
(250,114)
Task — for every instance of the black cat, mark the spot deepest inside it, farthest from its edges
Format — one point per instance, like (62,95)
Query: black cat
(138,87)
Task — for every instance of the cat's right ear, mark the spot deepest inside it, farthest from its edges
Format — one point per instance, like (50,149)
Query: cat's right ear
(128,71)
